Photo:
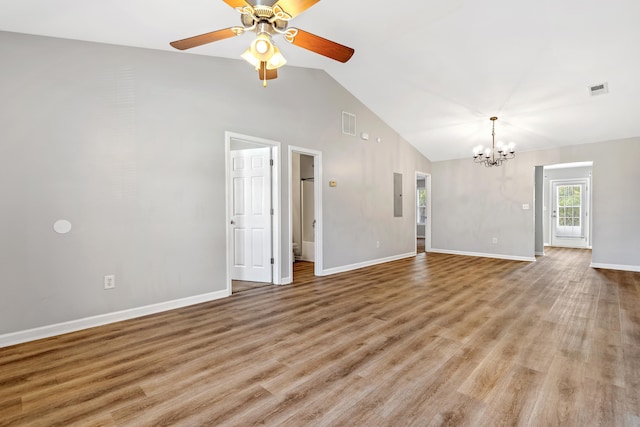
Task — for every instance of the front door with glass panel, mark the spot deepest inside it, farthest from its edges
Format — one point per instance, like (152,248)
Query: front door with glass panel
(569,215)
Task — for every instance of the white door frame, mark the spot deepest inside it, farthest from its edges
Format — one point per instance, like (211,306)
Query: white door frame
(317,190)
(586,208)
(427,225)
(275,203)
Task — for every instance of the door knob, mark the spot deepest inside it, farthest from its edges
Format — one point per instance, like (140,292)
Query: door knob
(233,222)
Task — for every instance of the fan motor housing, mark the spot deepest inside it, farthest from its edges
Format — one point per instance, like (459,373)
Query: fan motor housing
(264,15)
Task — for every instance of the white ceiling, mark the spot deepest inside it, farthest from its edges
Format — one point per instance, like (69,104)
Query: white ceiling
(435,71)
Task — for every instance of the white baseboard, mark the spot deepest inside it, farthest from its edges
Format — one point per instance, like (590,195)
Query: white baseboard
(363,264)
(634,268)
(285,281)
(484,255)
(48,331)
(539,253)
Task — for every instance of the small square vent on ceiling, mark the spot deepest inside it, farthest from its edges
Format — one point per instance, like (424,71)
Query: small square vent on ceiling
(599,89)
(348,123)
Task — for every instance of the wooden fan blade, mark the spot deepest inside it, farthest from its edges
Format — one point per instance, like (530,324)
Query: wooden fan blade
(211,37)
(236,3)
(295,7)
(323,46)
(271,74)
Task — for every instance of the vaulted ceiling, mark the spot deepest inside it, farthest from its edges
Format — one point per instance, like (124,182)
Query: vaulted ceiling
(435,71)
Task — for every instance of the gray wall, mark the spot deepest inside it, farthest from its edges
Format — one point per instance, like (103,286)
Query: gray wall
(471,204)
(128,145)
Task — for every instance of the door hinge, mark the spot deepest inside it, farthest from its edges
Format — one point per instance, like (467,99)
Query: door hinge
(273,261)
(271,162)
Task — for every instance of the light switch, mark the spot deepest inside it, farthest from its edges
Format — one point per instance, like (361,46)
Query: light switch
(525,206)
(333,183)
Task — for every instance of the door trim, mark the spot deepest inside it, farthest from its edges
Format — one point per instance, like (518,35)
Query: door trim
(427,225)
(587,208)
(275,203)
(317,189)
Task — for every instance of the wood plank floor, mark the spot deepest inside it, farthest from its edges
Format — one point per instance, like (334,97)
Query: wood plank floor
(431,340)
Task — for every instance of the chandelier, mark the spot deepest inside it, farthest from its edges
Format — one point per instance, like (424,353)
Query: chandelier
(495,155)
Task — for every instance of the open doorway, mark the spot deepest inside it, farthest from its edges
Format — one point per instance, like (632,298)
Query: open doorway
(302,208)
(423,212)
(305,212)
(563,206)
(567,209)
(253,214)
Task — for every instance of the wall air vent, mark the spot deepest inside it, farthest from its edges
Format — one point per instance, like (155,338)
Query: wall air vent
(599,89)
(348,123)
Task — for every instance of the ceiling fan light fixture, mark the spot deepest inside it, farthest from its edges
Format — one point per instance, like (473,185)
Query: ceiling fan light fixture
(277,60)
(248,56)
(262,48)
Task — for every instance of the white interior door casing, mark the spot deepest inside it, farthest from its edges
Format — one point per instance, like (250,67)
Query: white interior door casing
(251,225)
(570,213)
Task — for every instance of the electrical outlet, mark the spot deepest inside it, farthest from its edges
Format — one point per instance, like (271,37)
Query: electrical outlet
(110,281)
(494,240)
(378,244)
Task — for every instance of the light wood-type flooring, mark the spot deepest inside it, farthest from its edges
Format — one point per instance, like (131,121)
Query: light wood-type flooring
(430,340)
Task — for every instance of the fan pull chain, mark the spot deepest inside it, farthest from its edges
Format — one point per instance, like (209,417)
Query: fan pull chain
(263,71)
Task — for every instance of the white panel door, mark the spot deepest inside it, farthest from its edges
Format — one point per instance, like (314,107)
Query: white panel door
(251,215)
(569,216)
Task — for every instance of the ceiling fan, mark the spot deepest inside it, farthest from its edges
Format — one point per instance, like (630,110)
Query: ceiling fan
(268,18)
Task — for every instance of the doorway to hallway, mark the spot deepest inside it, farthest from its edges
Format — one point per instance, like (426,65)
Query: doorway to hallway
(252,208)
(305,210)
(423,212)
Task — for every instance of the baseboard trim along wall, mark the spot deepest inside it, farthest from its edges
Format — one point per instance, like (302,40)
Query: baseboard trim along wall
(286,281)
(19,337)
(484,255)
(634,268)
(363,264)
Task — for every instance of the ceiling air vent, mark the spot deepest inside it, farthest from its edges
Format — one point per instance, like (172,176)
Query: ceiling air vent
(348,123)
(599,89)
